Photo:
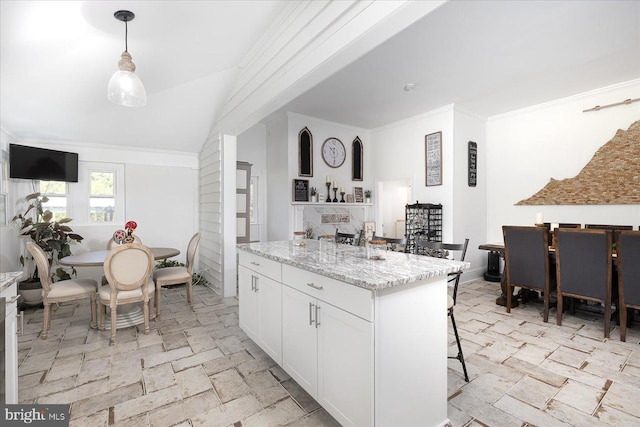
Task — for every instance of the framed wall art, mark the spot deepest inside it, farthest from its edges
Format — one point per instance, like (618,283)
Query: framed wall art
(358,195)
(305,153)
(473,164)
(433,159)
(300,190)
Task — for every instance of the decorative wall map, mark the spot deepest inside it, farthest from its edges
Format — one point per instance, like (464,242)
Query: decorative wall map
(612,176)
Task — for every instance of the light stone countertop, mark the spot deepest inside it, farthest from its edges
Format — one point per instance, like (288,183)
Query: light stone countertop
(6,279)
(350,264)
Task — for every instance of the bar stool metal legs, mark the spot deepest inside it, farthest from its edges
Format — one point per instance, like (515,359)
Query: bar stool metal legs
(460,356)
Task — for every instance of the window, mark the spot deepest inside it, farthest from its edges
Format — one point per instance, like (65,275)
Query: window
(253,200)
(56,192)
(102,201)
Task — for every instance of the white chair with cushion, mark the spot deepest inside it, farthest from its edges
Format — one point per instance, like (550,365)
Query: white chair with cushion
(177,275)
(112,244)
(128,270)
(62,291)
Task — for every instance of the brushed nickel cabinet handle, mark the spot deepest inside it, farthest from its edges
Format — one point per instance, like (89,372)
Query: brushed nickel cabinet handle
(317,316)
(311,313)
(315,287)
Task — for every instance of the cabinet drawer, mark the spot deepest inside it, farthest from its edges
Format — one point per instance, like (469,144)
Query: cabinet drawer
(355,300)
(261,265)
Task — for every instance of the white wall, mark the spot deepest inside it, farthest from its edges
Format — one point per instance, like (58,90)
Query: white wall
(278,183)
(252,148)
(470,203)
(398,153)
(526,148)
(161,196)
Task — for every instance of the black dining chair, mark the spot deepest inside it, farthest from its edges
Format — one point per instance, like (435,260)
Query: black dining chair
(584,268)
(393,244)
(447,250)
(526,257)
(628,252)
(348,238)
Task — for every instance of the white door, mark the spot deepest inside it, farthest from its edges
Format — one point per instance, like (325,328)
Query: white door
(299,339)
(345,366)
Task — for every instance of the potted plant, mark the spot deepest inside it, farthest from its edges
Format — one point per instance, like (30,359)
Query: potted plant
(53,236)
(367,196)
(314,195)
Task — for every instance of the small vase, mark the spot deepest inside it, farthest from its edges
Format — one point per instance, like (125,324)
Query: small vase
(314,199)
(368,200)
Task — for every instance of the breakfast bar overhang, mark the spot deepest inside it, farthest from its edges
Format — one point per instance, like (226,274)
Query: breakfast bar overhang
(366,338)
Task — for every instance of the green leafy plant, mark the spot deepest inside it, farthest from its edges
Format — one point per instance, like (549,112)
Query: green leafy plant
(367,193)
(314,191)
(53,236)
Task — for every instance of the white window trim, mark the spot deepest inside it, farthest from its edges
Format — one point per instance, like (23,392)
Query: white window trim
(82,192)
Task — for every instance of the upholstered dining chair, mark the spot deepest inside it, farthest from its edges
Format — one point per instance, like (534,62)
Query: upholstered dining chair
(450,251)
(112,244)
(61,291)
(176,275)
(348,238)
(128,268)
(526,257)
(584,268)
(393,244)
(628,251)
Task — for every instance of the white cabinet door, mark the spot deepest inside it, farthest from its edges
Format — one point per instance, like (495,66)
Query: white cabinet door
(248,301)
(299,339)
(345,366)
(269,316)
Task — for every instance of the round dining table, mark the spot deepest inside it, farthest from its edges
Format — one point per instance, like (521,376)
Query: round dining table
(129,314)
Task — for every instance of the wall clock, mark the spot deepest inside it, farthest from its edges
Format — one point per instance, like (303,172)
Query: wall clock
(333,152)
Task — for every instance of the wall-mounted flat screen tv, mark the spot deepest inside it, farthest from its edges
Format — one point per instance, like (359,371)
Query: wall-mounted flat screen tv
(43,164)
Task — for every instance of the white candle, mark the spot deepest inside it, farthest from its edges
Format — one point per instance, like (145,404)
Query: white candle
(328,178)
(335,184)
(554,226)
(539,219)
(342,189)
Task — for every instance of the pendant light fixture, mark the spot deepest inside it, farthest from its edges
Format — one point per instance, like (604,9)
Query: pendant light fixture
(125,87)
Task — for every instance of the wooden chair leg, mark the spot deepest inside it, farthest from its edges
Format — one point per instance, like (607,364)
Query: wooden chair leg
(607,320)
(152,301)
(189,291)
(623,322)
(93,312)
(102,309)
(559,304)
(113,325)
(509,292)
(145,310)
(158,287)
(546,307)
(45,321)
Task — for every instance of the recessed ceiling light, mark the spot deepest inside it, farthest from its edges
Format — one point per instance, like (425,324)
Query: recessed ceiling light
(410,86)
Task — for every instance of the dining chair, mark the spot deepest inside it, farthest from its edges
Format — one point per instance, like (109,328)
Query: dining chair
(393,244)
(61,291)
(448,250)
(128,268)
(526,257)
(348,238)
(177,275)
(628,252)
(112,244)
(584,268)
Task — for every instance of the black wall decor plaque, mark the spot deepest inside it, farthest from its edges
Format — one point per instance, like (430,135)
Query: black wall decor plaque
(473,164)
(300,190)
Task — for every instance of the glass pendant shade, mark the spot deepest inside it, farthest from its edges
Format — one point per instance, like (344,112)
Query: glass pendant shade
(125,88)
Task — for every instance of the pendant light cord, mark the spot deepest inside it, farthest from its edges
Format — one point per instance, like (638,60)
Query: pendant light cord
(126,36)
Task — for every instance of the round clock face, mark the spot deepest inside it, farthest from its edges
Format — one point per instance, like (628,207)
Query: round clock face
(333,152)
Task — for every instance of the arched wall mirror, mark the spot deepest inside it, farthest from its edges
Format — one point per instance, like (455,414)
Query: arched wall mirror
(305,153)
(356,159)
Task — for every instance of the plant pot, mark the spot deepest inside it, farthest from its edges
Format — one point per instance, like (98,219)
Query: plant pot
(368,200)
(31,293)
(314,199)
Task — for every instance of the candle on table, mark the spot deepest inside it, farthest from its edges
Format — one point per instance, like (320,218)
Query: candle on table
(335,184)
(539,219)
(342,189)
(328,178)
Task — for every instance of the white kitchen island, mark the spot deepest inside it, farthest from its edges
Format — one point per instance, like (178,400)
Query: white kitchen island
(366,338)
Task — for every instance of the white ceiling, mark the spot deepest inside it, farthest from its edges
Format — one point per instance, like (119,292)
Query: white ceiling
(489,57)
(58,56)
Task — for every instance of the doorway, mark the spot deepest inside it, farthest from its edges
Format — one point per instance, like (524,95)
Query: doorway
(393,196)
